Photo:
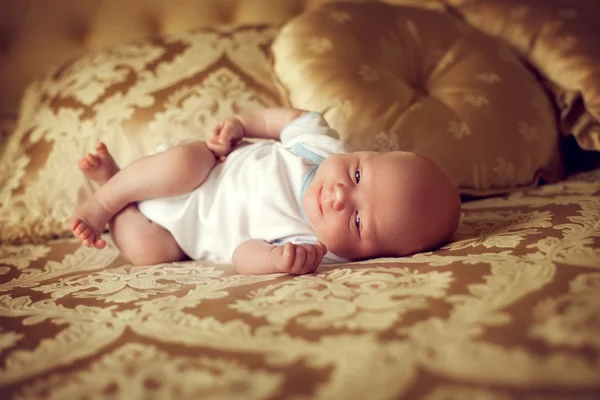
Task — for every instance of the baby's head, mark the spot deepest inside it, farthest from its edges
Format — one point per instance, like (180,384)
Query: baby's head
(367,204)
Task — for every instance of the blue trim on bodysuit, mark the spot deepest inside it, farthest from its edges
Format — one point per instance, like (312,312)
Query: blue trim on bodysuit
(313,157)
(305,184)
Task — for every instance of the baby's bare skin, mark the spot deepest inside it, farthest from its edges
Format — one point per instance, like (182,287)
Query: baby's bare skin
(176,171)
(359,205)
(98,166)
(91,217)
(143,179)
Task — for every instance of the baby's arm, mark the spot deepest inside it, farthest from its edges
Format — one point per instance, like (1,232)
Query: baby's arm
(255,257)
(267,123)
(262,124)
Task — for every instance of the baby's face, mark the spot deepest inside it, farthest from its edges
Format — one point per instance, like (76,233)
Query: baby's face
(367,204)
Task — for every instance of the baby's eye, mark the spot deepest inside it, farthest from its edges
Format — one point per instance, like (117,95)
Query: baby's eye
(357,175)
(357,221)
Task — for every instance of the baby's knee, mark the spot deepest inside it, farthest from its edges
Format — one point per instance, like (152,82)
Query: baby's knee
(191,155)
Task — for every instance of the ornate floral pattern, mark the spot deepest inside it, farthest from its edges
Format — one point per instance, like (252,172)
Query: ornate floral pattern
(511,304)
(135,98)
(557,38)
(509,309)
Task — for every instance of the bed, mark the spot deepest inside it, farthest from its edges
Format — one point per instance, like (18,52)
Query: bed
(509,309)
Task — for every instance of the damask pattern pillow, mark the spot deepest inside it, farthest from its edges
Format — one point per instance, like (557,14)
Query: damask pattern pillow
(136,98)
(410,79)
(560,39)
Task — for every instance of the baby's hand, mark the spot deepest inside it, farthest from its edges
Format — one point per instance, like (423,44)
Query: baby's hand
(297,259)
(225,136)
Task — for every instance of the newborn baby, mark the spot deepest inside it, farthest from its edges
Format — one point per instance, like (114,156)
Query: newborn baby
(286,204)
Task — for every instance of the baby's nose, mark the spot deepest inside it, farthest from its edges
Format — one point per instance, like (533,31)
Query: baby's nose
(339,197)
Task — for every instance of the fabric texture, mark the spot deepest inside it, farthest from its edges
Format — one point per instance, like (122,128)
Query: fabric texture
(401,78)
(37,35)
(559,38)
(508,310)
(255,194)
(136,97)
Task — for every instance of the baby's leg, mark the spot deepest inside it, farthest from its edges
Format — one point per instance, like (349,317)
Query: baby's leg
(99,167)
(173,172)
(139,240)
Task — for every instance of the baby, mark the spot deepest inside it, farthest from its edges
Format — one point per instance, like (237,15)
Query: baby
(280,205)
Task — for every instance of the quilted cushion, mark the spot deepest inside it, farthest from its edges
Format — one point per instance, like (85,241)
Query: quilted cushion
(559,38)
(412,79)
(135,97)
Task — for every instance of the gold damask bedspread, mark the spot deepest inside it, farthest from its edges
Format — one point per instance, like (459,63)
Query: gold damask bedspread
(510,309)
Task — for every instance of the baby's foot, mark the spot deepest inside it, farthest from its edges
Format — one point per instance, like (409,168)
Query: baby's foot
(86,232)
(91,217)
(99,167)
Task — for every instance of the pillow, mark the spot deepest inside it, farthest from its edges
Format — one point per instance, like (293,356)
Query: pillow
(400,78)
(560,39)
(134,97)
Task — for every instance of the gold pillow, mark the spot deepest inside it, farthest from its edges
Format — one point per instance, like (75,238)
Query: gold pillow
(560,39)
(136,98)
(410,79)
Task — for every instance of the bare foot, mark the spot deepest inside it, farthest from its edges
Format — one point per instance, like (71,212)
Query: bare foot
(100,166)
(91,216)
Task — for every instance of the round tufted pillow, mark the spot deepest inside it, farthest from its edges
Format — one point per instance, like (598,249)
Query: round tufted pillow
(410,79)
(560,38)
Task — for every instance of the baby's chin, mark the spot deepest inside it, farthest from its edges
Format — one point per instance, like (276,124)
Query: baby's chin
(352,253)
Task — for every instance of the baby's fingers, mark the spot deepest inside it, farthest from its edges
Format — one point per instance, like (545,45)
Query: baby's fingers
(311,257)
(218,127)
(216,131)
(320,251)
(216,147)
(227,134)
(299,260)
(284,257)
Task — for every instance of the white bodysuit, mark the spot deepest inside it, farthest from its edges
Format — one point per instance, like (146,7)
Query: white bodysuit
(255,194)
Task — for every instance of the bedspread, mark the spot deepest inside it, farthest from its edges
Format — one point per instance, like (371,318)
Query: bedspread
(509,309)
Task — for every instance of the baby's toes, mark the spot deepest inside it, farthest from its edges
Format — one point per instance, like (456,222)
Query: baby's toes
(92,160)
(74,225)
(78,227)
(102,150)
(87,237)
(85,234)
(83,164)
(99,243)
